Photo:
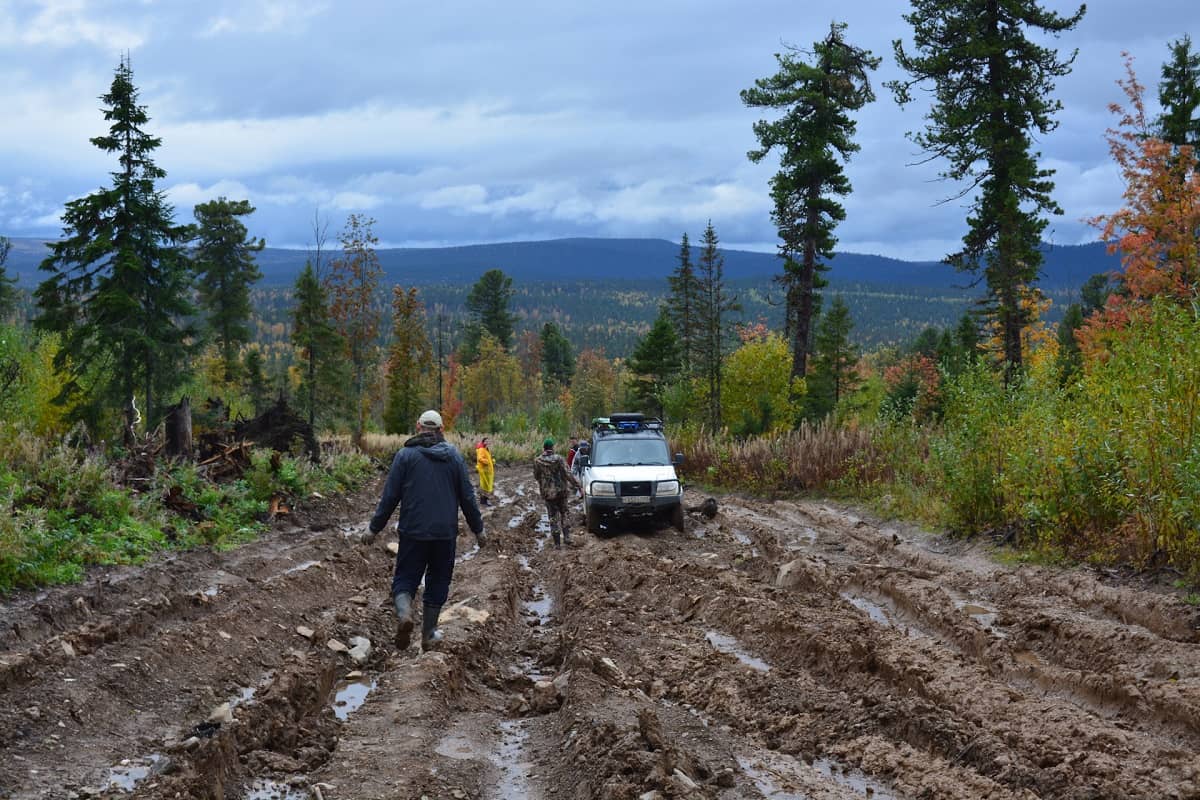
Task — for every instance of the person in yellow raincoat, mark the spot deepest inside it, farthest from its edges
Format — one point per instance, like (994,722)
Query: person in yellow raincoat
(487,470)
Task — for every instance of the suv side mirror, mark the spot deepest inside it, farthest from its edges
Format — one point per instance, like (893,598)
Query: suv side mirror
(678,459)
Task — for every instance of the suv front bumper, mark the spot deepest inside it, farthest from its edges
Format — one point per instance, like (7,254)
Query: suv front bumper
(617,507)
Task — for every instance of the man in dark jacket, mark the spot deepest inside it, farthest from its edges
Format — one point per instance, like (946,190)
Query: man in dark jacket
(428,480)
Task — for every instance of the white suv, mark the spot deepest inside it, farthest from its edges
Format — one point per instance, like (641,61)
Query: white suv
(629,472)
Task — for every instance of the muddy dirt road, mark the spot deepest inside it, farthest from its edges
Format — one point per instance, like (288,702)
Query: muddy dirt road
(780,650)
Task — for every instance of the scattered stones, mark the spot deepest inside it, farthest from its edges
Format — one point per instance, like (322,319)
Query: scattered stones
(305,631)
(360,649)
(336,646)
(222,714)
(545,697)
(68,649)
(358,600)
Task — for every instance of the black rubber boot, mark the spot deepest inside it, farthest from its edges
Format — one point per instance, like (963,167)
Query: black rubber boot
(430,635)
(402,602)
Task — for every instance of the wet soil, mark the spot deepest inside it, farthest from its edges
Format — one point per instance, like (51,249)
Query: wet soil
(780,650)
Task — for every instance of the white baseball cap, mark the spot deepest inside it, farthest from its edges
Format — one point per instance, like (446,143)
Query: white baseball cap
(430,419)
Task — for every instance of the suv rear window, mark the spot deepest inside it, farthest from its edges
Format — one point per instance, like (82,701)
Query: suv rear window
(617,451)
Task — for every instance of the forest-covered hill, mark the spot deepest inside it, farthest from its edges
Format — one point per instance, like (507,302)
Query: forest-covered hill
(604,260)
(605,293)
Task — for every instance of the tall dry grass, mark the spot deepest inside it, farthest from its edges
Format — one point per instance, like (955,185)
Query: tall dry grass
(812,457)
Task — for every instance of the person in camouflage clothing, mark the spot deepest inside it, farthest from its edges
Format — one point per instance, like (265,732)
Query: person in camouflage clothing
(550,471)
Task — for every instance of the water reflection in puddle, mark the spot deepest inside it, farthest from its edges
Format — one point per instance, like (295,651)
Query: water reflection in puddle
(350,698)
(986,617)
(130,772)
(510,758)
(543,528)
(301,567)
(244,694)
(467,556)
(731,646)
(741,536)
(539,606)
(263,789)
(876,612)
(457,746)
(779,776)
(883,615)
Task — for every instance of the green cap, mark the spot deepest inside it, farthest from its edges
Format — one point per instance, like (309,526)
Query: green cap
(548,443)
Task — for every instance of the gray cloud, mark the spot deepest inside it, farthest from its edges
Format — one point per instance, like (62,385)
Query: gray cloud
(470,121)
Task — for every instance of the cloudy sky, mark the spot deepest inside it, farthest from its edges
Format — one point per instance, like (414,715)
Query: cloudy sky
(459,122)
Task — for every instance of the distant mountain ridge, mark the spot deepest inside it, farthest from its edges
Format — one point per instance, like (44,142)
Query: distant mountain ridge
(606,260)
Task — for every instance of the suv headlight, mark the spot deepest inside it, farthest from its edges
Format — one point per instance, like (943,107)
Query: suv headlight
(602,489)
(668,488)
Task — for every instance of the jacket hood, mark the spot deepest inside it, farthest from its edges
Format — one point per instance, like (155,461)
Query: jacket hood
(547,457)
(431,446)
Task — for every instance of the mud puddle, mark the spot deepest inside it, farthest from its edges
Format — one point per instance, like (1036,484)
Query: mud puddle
(783,777)
(884,614)
(729,645)
(350,697)
(263,789)
(509,757)
(129,773)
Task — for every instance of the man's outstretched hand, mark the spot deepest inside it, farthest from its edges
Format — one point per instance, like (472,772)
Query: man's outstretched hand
(367,536)
(481,539)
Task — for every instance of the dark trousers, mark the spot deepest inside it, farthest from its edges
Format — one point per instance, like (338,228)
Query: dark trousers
(431,558)
(556,512)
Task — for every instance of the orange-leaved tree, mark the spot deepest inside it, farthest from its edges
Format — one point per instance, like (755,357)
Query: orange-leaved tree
(1157,233)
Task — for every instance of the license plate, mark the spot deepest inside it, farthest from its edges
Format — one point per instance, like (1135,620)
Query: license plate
(636,498)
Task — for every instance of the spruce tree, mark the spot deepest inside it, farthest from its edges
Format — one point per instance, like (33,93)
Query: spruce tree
(558,361)
(655,363)
(683,306)
(119,280)
(225,270)
(716,304)
(410,359)
(353,285)
(993,88)
(814,138)
(833,374)
(1179,96)
(488,302)
(255,380)
(8,285)
(320,346)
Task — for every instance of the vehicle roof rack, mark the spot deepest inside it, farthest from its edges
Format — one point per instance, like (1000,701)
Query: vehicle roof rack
(626,422)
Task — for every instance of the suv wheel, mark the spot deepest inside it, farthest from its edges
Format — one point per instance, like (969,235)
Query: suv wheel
(593,521)
(677,520)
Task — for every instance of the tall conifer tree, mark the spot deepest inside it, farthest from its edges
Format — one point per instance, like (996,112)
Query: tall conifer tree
(716,304)
(320,346)
(558,361)
(119,281)
(225,270)
(814,137)
(410,359)
(683,306)
(353,286)
(1179,95)
(489,301)
(993,88)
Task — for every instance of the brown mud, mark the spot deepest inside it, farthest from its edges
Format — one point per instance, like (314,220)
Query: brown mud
(779,650)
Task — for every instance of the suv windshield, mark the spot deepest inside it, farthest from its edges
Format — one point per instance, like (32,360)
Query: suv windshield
(615,451)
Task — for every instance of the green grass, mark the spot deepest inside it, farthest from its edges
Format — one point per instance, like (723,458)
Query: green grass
(62,511)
